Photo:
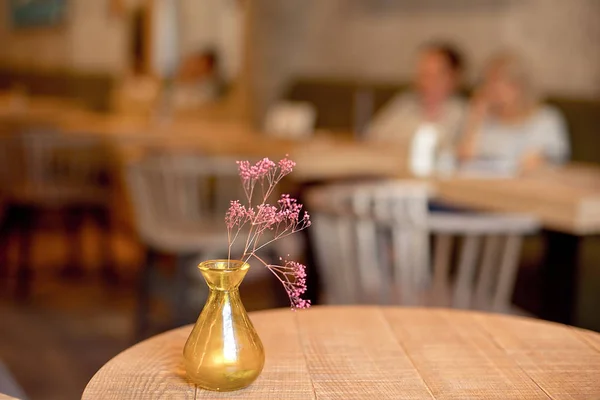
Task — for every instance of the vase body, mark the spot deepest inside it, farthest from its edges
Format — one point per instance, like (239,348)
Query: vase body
(223,352)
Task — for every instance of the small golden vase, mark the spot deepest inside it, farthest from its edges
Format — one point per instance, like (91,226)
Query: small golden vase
(223,352)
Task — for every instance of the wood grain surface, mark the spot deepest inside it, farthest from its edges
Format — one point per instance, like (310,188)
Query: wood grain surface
(565,198)
(379,353)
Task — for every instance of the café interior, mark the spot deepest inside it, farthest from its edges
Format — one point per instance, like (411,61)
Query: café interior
(448,153)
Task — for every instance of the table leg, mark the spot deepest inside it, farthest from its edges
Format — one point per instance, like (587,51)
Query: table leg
(145,285)
(107,270)
(560,273)
(180,301)
(74,222)
(7,226)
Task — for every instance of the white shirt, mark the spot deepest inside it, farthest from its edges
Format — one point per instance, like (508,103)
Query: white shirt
(544,131)
(402,116)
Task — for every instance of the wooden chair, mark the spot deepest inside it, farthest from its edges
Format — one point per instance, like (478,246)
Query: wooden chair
(489,248)
(47,171)
(179,203)
(372,243)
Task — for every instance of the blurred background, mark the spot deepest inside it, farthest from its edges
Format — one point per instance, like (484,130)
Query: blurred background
(121,120)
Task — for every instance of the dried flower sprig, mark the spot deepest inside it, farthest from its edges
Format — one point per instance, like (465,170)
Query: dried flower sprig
(280,220)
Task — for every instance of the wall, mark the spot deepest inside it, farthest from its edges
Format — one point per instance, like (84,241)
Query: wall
(90,40)
(216,24)
(97,41)
(45,47)
(377,39)
(277,37)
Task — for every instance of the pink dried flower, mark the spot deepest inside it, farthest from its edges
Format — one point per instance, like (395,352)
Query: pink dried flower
(237,214)
(257,171)
(286,165)
(292,275)
(266,216)
(283,220)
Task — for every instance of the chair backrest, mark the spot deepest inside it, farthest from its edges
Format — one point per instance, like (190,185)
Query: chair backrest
(56,167)
(292,120)
(175,193)
(13,168)
(371,241)
(488,246)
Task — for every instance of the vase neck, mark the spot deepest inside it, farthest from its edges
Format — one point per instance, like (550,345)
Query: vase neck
(223,275)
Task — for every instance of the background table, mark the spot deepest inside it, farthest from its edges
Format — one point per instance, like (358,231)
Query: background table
(564,199)
(379,353)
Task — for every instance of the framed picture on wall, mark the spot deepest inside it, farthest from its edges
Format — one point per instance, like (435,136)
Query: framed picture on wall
(36,13)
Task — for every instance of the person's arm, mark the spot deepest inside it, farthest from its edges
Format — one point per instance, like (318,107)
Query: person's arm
(550,144)
(383,125)
(532,160)
(478,109)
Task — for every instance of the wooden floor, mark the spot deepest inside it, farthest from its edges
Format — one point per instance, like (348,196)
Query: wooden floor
(55,342)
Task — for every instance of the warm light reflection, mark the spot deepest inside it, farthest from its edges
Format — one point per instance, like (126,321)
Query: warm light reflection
(229,343)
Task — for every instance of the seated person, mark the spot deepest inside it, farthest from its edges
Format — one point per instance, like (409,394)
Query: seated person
(197,81)
(433,100)
(507,123)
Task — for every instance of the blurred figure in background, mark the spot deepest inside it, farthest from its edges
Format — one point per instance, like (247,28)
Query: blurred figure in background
(137,92)
(198,81)
(433,99)
(507,123)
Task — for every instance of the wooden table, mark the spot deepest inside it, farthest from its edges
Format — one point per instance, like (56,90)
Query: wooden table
(322,157)
(565,200)
(379,353)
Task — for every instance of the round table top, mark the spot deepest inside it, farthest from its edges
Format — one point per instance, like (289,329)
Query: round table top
(381,353)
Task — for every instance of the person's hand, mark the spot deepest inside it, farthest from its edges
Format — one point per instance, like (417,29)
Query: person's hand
(478,110)
(479,104)
(531,162)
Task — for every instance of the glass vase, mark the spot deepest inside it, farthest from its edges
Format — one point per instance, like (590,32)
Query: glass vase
(223,352)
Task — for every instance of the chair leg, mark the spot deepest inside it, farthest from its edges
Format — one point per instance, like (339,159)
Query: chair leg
(107,270)
(180,304)
(144,293)
(6,228)
(24,271)
(74,218)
